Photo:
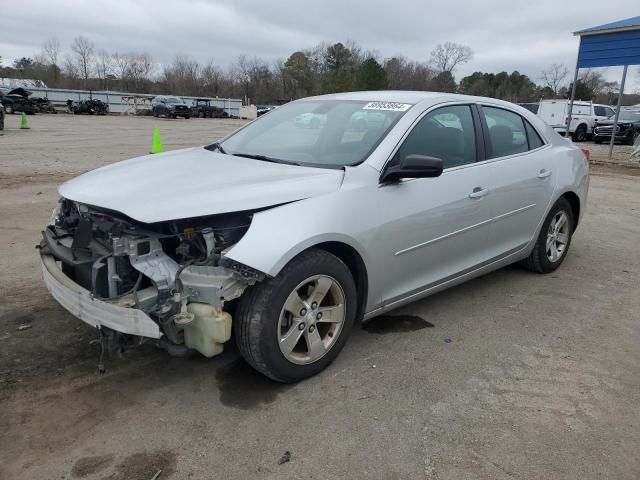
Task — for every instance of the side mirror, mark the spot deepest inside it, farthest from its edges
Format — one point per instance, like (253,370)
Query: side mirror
(413,166)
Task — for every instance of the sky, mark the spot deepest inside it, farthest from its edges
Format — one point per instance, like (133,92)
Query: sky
(504,35)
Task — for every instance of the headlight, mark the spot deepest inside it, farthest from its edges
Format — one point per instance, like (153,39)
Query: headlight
(54,215)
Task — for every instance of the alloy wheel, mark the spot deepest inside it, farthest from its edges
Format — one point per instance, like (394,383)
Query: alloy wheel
(557,236)
(311,320)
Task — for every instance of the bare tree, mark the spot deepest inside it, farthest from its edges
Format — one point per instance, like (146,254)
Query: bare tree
(182,75)
(70,68)
(51,51)
(82,50)
(122,67)
(592,80)
(242,72)
(447,56)
(104,67)
(141,68)
(554,77)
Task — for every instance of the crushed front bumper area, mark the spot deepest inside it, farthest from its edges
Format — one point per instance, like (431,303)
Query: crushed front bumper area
(206,331)
(117,315)
(168,281)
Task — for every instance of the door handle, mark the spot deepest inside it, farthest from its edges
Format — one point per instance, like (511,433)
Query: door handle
(478,192)
(544,174)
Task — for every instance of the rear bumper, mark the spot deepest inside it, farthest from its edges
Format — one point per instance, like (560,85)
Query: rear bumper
(97,313)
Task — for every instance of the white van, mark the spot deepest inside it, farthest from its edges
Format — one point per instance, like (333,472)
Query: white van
(583,116)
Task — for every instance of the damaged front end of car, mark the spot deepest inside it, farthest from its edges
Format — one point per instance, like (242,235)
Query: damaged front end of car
(166,280)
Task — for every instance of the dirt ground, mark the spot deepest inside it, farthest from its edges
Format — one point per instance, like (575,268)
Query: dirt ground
(510,376)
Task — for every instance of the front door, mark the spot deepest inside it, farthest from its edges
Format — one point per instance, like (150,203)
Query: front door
(432,229)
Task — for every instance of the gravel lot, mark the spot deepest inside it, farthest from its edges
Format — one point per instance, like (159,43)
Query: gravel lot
(541,378)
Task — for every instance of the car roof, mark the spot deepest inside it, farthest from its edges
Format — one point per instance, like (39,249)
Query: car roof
(402,96)
(413,97)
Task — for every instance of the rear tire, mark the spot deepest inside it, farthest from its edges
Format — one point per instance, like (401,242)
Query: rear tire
(580,135)
(283,308)
(553,242)
(634,136)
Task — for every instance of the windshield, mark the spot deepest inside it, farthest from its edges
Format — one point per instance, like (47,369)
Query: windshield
(322,133)
(173,100)
(628,116)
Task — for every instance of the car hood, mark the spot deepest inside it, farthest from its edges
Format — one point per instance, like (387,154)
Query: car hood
(21,92)
(196,182)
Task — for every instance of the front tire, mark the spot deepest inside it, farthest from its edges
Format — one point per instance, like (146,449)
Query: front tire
(554,239)
(294,325)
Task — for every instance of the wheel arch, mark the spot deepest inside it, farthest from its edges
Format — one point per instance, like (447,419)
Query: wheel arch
(574,201)
(352,259)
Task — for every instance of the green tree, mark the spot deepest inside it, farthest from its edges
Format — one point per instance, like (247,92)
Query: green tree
(443,82)
(298,75)
(340,63)
(22,63)
(370,76)
(514,87)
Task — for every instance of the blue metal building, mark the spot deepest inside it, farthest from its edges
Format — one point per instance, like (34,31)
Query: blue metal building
(608,45)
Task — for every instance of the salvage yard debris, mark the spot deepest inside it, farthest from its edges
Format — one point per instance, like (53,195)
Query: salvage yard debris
(286,457)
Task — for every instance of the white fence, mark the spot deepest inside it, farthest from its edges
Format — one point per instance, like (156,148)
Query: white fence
(126,103)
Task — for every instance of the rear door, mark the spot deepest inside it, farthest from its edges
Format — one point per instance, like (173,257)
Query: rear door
(523,175)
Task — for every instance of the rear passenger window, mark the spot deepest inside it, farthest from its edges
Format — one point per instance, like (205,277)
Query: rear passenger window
(599,111)
(534,139)
(446,133)
(507,133)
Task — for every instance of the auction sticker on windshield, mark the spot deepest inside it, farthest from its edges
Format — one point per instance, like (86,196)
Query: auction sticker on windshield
(391,106)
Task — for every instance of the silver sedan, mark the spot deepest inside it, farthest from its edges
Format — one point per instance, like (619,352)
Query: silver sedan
(284,237)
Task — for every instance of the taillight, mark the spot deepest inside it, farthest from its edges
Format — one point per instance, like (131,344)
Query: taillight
(586,152)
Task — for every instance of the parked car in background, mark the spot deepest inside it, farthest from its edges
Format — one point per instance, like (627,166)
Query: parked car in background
(262,109)
(583,117)
(202,108)
(285,237)
(170,107)
(17,101)
(627,130)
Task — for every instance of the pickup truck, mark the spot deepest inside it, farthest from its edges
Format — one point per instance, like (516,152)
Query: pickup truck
(583,117)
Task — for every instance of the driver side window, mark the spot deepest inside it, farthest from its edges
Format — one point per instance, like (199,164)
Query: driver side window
(446,133)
